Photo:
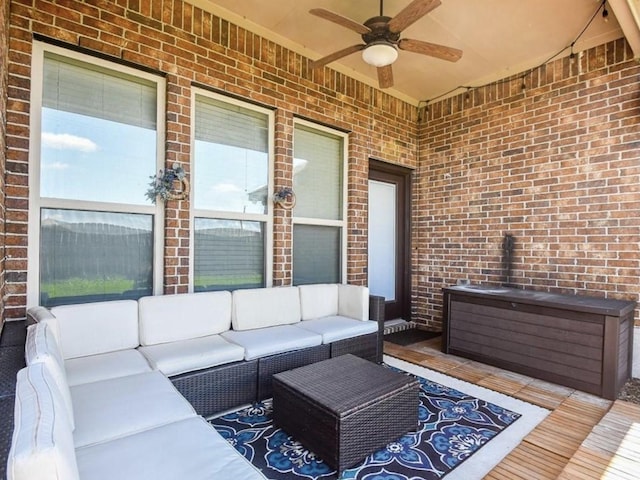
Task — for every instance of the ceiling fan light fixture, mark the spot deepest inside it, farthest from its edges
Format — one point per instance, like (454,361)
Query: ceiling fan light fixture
(380,54)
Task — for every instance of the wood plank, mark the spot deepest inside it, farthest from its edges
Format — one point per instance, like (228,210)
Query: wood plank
(540,396)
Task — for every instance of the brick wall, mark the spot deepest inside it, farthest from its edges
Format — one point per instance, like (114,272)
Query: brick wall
(557,165)
(4,56)
(195,47)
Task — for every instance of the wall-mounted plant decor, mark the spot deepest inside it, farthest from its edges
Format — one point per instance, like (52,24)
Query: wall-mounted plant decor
(285,198)
(169,184)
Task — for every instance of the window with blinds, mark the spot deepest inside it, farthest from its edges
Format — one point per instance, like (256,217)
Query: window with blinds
(97,148)
(319,217)
(231,162)
(98,137)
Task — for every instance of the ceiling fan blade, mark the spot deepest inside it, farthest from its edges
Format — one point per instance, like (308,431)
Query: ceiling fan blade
(321,62)
(340,20)
(385,76)
(412,12)
(432,49)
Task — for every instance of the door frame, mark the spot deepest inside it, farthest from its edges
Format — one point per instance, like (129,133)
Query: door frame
(402,178)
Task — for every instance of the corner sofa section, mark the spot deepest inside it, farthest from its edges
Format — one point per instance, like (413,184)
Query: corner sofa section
(100,395)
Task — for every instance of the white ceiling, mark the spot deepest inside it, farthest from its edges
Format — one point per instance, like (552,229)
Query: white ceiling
(499,38)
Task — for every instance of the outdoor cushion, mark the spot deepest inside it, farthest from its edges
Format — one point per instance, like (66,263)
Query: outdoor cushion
(353,301)
(318,300)
(193,354)
(42,443)
(41,314)
(189,449)
(104,366)
(41,347)
(167,318)
(93,328)
(336,328)
(121,406)
(265,307)
(272,340)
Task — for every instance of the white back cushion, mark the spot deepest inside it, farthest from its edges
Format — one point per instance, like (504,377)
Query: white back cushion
(100,327)
(319,300)
(353,302)
(42,443)
(265,307)
(167,318)
(41,347)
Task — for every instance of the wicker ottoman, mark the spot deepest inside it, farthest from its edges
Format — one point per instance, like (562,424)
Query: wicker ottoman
(345,408)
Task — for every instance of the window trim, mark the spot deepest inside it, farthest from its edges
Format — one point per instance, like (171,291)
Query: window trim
(36,203)
(267,217)
(342,224)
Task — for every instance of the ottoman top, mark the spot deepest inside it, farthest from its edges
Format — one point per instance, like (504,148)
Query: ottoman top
(346,383)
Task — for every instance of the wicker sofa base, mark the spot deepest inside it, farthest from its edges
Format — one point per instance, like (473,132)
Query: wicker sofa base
(364,346)
(220,388)
(268,366)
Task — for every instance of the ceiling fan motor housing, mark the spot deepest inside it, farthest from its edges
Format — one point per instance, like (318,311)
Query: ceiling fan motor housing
(379,31)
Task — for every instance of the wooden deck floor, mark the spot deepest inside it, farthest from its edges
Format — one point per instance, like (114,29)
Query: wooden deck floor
(584,436)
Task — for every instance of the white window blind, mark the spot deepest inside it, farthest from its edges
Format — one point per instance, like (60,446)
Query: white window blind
(77,87)
(228,254)
(317,181)
(228,124)
(316,254)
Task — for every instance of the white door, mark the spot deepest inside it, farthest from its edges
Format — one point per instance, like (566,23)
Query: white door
(382,239)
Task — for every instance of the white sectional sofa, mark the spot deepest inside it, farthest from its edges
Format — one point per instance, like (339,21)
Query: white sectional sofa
(118,389)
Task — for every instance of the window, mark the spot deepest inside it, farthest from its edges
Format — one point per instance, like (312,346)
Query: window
(95,144)
(319,230)
(231,172)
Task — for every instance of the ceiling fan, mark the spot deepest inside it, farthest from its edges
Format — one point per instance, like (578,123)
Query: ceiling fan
(381,36)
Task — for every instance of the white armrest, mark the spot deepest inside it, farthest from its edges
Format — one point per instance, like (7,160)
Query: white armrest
(38,314)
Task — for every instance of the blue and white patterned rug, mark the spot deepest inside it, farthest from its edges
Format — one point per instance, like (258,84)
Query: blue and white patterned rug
(453,426)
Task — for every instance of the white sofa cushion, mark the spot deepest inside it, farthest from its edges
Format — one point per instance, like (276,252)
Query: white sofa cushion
(189,449)
(336,328)
(104,366)
(166,318)
(265,307)
(93,328)
(41,347)
(42,443)
(320,300)
(120,406)
(353,301)
(193,354)
(269,341)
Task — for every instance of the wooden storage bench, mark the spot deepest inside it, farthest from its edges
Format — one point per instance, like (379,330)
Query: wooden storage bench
(577,341)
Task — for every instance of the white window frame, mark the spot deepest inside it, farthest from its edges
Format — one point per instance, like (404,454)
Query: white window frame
(36,203)
(266,218)
(342,224)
